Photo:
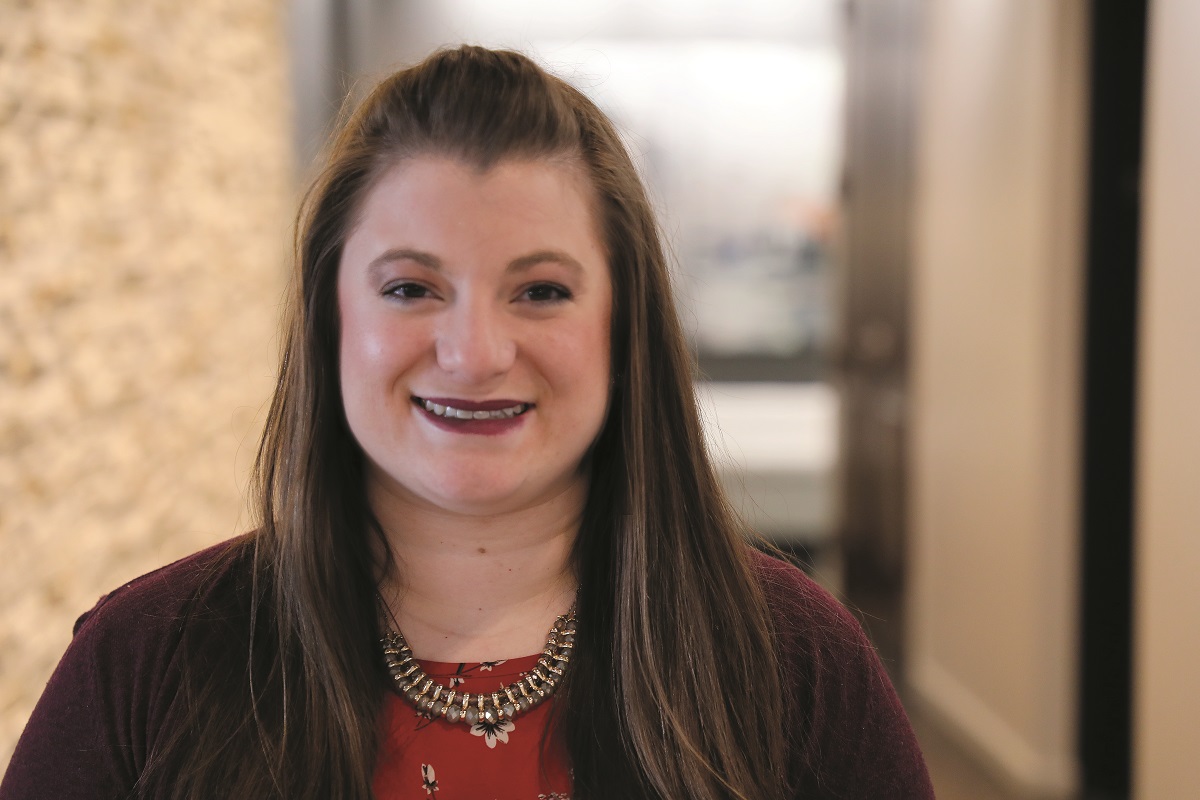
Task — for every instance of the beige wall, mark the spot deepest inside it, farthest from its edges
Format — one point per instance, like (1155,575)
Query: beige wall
(996,349)
(1167,604)
(145,186)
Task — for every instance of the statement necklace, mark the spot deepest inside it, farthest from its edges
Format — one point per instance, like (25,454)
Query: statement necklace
(436,700)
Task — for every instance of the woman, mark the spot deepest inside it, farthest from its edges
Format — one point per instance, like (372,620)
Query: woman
(484,451)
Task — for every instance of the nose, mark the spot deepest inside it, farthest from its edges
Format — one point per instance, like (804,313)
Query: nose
(475,342)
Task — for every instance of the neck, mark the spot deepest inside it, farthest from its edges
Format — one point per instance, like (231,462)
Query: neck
(469,588)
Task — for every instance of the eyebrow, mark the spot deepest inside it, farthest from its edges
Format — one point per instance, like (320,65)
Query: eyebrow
(404,254)
(541,257)
(430,261)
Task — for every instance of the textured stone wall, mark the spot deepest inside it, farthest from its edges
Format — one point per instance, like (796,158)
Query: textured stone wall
(145,201)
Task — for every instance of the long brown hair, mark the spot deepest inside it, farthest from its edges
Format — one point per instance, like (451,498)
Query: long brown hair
(675,690)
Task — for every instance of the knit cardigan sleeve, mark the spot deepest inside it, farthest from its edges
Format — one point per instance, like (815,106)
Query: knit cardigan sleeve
(113,690)
(849,735)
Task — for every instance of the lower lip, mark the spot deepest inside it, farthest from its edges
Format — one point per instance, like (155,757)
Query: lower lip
(477,427)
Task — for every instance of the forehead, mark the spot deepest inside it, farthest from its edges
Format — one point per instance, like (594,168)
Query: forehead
(446,201)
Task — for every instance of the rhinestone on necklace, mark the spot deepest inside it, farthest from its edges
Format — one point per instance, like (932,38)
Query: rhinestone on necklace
(436,700)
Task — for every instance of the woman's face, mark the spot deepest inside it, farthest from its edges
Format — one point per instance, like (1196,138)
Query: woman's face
(475,333)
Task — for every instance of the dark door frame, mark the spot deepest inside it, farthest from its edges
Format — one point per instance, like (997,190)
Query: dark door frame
(1117,67)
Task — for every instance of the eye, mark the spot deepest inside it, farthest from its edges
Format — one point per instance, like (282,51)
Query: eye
(546,293)
(407,291)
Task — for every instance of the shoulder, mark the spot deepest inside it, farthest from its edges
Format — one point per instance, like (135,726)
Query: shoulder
(116,685)
(805,615)
(133,639)
(787,586)
(159,601)
(850,735)
(822,648)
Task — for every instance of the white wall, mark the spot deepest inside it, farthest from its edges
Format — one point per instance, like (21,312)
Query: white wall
(996,354)
(1167,594)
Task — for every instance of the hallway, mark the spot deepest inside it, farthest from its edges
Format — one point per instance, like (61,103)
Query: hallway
(955,775)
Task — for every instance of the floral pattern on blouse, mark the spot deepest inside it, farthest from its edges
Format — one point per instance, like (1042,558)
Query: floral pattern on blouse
(493,731)
(428,780)
(456,761)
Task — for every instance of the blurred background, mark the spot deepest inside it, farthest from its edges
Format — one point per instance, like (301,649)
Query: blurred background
(937,259)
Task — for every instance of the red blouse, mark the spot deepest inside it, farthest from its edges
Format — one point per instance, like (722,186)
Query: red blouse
(424,758)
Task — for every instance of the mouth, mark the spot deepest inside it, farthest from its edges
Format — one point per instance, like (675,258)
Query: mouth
(455,409)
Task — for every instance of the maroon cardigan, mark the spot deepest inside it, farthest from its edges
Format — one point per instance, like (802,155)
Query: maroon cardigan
(112,694)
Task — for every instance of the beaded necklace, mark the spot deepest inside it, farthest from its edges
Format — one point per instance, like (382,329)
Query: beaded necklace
(436,700)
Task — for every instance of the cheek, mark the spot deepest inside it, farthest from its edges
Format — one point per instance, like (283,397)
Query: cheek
(365,334)
(587,356)
(364,346)
(364,357)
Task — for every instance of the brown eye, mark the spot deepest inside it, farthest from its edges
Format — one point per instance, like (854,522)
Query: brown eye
(407,291)
(546,293)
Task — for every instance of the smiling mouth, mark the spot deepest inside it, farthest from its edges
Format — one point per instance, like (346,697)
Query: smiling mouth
(451,412)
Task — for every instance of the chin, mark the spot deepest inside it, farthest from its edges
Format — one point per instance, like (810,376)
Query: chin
(468,493)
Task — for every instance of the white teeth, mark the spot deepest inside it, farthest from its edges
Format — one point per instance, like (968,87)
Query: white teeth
(450,412)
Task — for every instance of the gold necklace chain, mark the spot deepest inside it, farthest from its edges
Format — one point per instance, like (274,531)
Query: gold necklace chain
(436,700)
